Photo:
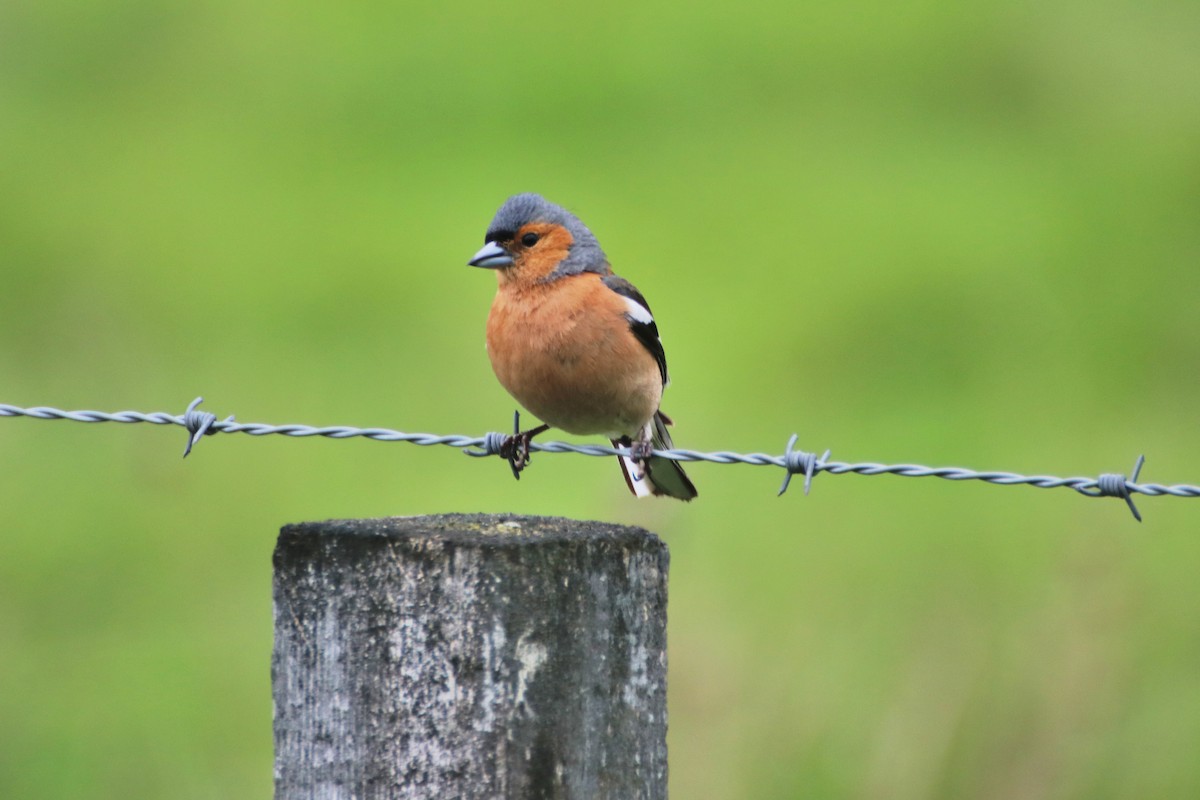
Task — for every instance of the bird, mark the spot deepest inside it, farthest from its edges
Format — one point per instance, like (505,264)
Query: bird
(575,344)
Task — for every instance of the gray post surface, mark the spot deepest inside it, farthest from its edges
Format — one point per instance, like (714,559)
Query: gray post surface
(470,656)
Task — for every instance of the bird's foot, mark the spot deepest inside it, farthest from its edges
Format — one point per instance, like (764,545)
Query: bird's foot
(640,452)
(515,448)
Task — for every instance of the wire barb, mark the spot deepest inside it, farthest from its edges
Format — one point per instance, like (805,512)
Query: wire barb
(797,461)
(491,445)
(198,424)
(1114,484)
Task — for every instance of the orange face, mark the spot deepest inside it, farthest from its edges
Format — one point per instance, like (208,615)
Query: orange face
(537,249)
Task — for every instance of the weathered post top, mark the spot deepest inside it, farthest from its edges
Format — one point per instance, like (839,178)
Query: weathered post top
(470,656)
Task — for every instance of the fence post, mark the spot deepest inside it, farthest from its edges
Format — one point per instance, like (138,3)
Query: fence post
(469,656)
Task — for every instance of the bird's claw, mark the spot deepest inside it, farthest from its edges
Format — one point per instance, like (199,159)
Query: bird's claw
(640,452)
(515,448)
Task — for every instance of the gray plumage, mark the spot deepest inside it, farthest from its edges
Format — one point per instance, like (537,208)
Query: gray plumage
(522,209)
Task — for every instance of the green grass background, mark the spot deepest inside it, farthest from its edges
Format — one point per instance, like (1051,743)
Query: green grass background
(922,232)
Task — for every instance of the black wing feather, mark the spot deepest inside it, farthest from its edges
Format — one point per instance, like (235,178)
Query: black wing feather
(646,332)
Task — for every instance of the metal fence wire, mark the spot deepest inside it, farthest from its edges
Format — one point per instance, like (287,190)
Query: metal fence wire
(796,462)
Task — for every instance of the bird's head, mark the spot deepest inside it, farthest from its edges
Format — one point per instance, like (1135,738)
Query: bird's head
(532,240)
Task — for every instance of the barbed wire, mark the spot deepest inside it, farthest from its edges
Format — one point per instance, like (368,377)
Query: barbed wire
(796,462)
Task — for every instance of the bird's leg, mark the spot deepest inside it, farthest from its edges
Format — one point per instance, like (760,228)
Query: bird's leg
(516,447)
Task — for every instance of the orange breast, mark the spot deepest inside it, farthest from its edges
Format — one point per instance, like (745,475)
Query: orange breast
(565,352)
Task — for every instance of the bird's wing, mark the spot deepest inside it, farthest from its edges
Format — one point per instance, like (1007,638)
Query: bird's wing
(641,321)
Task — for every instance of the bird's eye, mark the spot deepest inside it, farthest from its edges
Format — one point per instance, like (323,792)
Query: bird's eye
(529,239)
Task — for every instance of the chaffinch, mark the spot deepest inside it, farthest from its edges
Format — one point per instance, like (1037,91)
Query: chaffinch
(575,344)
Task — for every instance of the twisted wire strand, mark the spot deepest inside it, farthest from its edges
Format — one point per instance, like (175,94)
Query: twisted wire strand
(795,462)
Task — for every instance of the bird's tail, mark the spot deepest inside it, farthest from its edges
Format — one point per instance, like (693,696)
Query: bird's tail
(662,475)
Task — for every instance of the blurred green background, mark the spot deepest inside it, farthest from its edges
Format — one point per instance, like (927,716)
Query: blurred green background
(932,233)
